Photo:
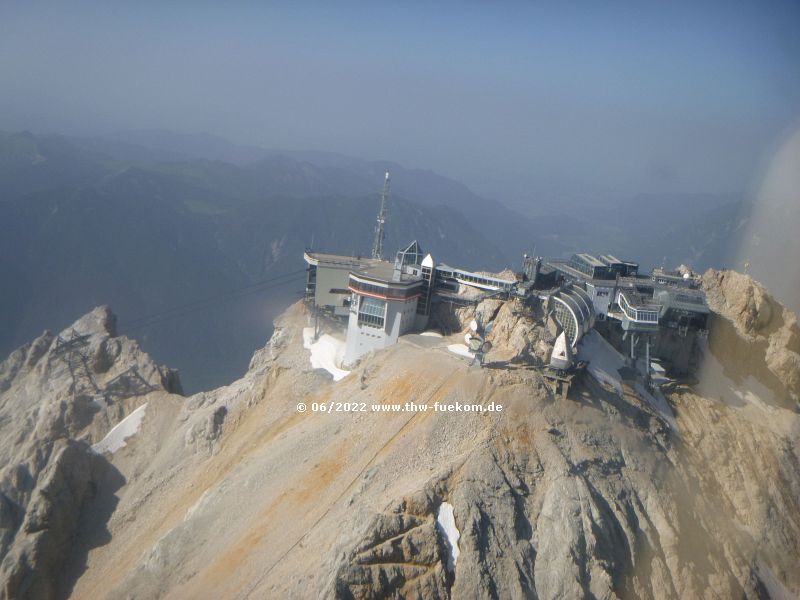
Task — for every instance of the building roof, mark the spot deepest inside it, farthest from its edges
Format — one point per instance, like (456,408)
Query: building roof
(370,268)
(591,260)
(684,299)
(610,259)
(638,300)
(337,260)
(563,266)
(384,271)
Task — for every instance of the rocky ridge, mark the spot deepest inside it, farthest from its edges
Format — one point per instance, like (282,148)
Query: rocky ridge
(58,395)
(764,327)
(235,493)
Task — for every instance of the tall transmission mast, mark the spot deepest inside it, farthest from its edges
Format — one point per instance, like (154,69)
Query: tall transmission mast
(377,245)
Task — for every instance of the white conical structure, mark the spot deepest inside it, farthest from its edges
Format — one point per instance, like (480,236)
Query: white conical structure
(561,358)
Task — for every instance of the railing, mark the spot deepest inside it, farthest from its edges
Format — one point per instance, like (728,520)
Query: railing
(638,315)
(470,278)
(370,320)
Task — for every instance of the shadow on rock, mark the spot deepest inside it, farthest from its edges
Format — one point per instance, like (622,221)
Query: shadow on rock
(91,528)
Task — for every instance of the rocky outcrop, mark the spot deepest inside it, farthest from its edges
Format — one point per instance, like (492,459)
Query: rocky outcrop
(601,500)
(34,565)
(517,332)
(240,493)
(750,323)
(404,555)
(744,301)
(58,395)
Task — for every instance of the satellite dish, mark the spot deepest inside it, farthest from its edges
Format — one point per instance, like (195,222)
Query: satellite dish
(475,344)
(473,325)
(486,347)
(467,338)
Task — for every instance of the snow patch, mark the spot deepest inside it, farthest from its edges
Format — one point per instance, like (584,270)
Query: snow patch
(446,523)
(115,439)
(431,334)
(461,350)
(604,361)
(657,400)
(326,353)
(604,364)
(715,383)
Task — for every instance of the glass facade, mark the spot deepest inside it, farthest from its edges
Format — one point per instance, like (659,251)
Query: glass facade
(411,255)
(371,312)
(311,281)
(567,321)
(393,293)
(423,304)
(637,315)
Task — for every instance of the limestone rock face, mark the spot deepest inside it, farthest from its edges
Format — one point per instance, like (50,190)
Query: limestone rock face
(403,555)
(58,395)
(239,493)
(516,333)
(764,327)
(34,567)
(742,300)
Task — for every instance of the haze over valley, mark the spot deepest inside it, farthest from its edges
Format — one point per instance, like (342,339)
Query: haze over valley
(154,221)
(365,300)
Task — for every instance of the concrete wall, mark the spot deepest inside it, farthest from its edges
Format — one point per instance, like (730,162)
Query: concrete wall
(399,318)
(362,339)
(407,311)
(601,302)
(329,278)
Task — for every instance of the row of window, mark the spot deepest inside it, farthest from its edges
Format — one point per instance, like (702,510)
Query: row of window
(482,280)
(371,312)
(567,322)
(372,306)
(638,315)
(370,320)
(583,268)
(393,293)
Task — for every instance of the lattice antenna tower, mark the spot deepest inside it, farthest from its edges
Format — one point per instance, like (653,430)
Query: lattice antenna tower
(380,233)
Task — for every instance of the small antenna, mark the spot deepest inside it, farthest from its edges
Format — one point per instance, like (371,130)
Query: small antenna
(380,233)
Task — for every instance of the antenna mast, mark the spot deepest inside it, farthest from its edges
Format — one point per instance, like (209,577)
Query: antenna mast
(377,245)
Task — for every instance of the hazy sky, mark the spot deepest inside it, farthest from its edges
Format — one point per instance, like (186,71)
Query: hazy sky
(518,100)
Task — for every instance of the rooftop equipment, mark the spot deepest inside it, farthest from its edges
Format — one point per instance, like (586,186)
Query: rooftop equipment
(380,233)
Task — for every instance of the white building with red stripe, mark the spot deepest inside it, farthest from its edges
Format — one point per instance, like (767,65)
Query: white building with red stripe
(381,299)
(383,306)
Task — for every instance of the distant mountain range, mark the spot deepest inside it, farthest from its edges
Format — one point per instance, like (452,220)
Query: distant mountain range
(148,220)
(105,221)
